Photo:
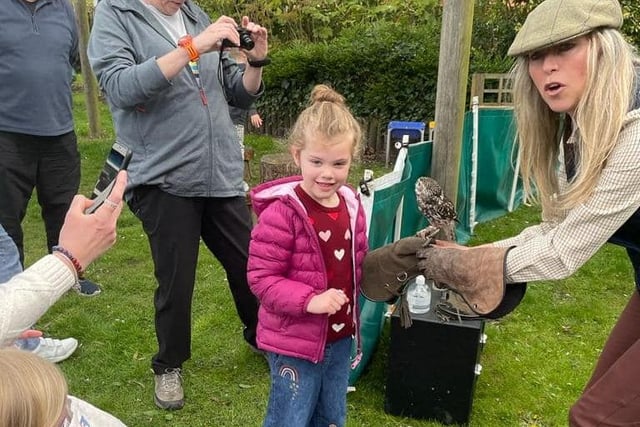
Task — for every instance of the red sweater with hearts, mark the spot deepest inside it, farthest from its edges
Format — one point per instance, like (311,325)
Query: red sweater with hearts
(334,236)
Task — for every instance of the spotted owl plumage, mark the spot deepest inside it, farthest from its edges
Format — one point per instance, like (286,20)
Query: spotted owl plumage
(436,207)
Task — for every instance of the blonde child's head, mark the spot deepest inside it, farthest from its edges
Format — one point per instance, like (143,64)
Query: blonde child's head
(323,142)
(33,390)
(327,116)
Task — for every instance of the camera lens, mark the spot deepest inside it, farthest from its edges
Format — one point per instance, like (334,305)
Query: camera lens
(246,42)
(245,39)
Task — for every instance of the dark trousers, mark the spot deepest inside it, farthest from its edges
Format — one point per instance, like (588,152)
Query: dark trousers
(51,165)
(174,226)
(612,395)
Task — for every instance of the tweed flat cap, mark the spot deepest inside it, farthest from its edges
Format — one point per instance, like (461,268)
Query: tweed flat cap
(556,21)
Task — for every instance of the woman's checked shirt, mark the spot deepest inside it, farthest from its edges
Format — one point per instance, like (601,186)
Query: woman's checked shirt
(556,249)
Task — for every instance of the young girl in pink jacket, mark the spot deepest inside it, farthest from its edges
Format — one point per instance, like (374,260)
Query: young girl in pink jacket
(305,265)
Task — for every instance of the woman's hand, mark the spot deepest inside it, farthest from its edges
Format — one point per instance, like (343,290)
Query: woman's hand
(225,28)
(260,40)
(87,237)
(211,38)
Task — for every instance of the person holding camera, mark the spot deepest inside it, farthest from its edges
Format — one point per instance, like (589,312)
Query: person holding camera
(168,80)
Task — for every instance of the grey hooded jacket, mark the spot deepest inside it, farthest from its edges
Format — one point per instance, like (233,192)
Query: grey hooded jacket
(179,144)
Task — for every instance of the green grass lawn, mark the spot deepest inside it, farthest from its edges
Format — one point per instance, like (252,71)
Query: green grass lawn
(535,361)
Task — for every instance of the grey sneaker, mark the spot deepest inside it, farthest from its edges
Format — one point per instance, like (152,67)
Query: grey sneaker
(168,392)
(55,350)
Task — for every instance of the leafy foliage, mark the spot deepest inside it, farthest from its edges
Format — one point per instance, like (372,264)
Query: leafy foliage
(631,26)
(385,70)
(496,23)
(322,20)
(371,51)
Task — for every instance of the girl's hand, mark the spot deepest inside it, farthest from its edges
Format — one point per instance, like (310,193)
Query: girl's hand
(330,302)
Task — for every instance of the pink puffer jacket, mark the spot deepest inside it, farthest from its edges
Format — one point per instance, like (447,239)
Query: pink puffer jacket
(286,269)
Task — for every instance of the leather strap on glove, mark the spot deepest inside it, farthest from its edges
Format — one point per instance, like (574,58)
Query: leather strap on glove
(477,274)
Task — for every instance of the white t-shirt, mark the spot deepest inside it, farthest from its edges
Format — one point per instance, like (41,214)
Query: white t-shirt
(87,415)
(174,24)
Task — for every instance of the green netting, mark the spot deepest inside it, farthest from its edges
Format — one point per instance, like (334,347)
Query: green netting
(386,202)
(419,157)
(496,168)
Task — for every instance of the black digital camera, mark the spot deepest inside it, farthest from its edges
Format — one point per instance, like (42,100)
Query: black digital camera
(246,42)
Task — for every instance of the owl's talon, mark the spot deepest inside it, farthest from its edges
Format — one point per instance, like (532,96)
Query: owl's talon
(428,233)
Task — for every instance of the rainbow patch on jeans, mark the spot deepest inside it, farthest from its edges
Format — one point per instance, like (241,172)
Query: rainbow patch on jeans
(289,373)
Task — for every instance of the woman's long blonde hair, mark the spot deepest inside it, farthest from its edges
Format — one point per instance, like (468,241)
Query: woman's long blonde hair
(33,391)
(608,96)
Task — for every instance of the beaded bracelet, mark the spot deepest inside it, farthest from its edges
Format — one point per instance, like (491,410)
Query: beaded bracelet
(70,257)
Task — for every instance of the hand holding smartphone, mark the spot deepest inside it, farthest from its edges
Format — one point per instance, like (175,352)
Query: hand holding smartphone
(117,160)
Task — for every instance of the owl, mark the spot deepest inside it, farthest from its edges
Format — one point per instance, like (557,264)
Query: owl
(436,207)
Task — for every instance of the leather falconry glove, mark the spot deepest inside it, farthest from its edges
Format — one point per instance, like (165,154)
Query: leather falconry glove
(476,274)
(386,270)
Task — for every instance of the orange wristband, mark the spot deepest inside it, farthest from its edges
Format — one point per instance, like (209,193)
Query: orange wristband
(186,42)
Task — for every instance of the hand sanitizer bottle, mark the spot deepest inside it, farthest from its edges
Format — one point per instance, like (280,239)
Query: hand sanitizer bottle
(419,296)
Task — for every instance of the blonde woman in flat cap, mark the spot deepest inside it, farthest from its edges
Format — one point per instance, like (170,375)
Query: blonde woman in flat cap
(576,97)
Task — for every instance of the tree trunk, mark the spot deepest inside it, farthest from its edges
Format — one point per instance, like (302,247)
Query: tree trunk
(273,166)
(90,84)
(453,70)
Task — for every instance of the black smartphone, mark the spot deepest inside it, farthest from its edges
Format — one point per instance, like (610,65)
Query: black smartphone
(117,160)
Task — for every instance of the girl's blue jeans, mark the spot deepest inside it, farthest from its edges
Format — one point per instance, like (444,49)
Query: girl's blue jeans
(306,394)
